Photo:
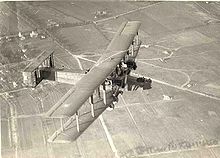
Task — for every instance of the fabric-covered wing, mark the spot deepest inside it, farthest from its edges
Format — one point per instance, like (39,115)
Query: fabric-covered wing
(68,132)
(76,96)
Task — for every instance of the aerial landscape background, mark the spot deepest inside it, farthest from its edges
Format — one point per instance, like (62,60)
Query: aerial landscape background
(180,52)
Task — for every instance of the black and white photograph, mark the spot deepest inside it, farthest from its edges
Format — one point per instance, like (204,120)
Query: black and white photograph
(110,79)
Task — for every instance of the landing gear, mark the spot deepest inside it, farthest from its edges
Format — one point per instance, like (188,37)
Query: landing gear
(116,91)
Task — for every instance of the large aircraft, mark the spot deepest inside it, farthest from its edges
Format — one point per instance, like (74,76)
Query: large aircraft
(100,87)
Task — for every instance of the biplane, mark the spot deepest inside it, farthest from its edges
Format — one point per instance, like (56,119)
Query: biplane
(100,86)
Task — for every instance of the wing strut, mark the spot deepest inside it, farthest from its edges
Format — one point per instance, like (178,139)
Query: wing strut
(61,122)
(104,93)
(77,121)
(98,92)
(137,39)
(92,105)
(132,48)
(126,79)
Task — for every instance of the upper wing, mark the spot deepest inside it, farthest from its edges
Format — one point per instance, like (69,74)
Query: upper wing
(76,96)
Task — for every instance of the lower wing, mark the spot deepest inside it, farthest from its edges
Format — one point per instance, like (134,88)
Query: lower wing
(77,124)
